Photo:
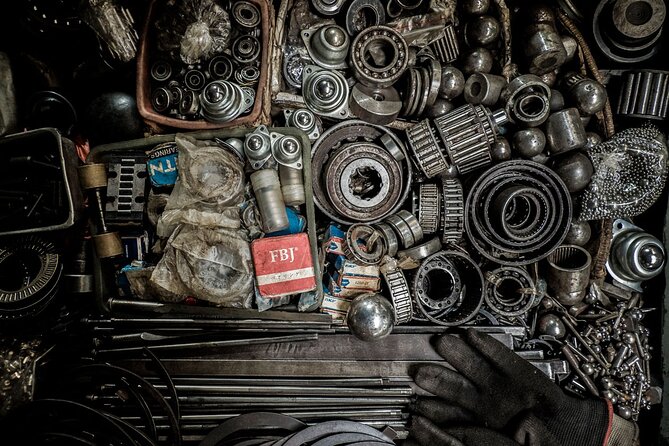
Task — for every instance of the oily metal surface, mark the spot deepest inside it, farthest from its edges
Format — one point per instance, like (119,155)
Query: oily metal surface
(321,430)
(258,420)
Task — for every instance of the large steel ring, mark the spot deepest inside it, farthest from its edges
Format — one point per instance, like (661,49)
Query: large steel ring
(379,56)
(509,291)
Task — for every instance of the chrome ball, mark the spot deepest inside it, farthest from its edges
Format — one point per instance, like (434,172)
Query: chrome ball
(475,7)
(440,107)
(575,169)
(579,233)
(500,150)
(478,61)
(335,36)
(529,142)
(482,30)
(370,317)
(557,101)
(551,325)
(452,83)
(625,412)
(651,257)
(325,89)
(589,96)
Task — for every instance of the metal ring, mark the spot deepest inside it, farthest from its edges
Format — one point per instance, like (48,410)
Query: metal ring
(221,68)
(161,99)
(386,44)
(421,251)
(373,250)
(246,49)
(360,11)
(195,80)
(161,71)
(505,301)
(246,14)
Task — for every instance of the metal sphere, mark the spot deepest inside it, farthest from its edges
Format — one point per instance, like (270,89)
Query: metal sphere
(236,144)
(579,233)
(589,96)
(450,173)
(557,101)
(625,412)
(452,83)
(254,142)
(628,338)
(500,150)
(606,383)
(529,142)
(335,36)
(479,60)
(482,31)
(549,78)
(325,89)
(651,257)
(370,317)
(551,325)
(475,7)
(575,169)
(592,139)
(439,108)
(588,368)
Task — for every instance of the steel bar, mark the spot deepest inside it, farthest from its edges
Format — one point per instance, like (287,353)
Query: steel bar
(283,400)
(210,390)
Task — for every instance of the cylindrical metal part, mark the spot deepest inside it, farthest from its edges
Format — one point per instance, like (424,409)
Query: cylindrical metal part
(407,228)
(292,185)
(374,40)
(644,95)
(379,106)
(636,255)
(568,273)
(482,88)
(329,46)
(565,131)
(108,245)
(267,189)
(542,44)
(93,176)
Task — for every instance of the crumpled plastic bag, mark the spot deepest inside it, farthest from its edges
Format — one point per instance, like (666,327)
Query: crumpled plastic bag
(209,189)
(211,264)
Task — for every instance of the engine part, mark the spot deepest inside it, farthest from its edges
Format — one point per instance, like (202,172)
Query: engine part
(258,147)
(482,30)
(409,5)
(400,295)
(363,181)
(428,203)
(292,185)
(636,256)
(246,49)
(126,186)
(379,106)
(615,192)
(568,274)
(327,46)
(247,76)
(527,100)
(379,56)
(223,101)
(286,150)
(8,109)
(446,47)
(370,317)
(411,257)
(267,190)
(161,71)
(448,288)
(393,9)
(406,226)
(565,131)
(588,95)
(325,92)
(221,68)
(479,60)
(629,31)
(327,7)
(517,212)
(644,95)
(364,244)
(353,131)
(500,150)
(475,7)
(484,89)
(452,211)
(304,120)
(579,233)
(543,45)
(93,179)
(389,238)
(422,89)
(30,269)
(161,99)
(111,117)
(452,83)
(529,142)
(189,104)
(246,14)
(509,291)
(194,80)
(575,169)
(362,14)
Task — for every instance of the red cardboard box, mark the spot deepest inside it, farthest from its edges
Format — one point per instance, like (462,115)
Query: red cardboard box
(283,265)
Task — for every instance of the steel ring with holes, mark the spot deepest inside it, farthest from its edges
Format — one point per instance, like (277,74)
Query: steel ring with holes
(379,56)
(246,14)
(509,291)
(364,244)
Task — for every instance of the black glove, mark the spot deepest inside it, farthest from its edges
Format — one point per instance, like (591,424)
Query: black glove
(500,390)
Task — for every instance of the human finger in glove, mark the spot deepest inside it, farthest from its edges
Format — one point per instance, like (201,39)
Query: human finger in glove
(493,392)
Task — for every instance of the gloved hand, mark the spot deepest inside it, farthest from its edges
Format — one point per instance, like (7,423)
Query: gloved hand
(501,391)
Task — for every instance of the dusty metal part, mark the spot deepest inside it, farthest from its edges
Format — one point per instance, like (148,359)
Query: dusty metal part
(452,83)
(481,30)
(190,103)
(364,244)
(258,147)
(362,14)
(568,273)
(453,211)
(332,140)
(479,60)
(322,430)
(588,95)
(325,92)
(446,46)
(529,142)
(370,317)
(542,44)
(426,149)
(644,95)
(412,256)
(636,256)
(509,291)
(391,146)
(258,421)
(517,212)
(428,207)
(389,238)
(475,7)
(293,68)
(400,295)
(328,7)
(575,169)
(327,45)
(440,291)
(304,120)
(221,67)
(286,150)
(565,131)
(485,89)
(579,233)
(223,101)
(267,189)
(407,228)
(527,100)
(501,150)
(246,49)
(246,14)
(161,99)
(379,106)
(629,31)
(161,71)
(126,185)
(247,76)
(379,56)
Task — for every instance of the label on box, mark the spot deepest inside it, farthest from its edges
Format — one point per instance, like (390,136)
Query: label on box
(335,306)
(162,164)
(283,265)
(348,268)
(337,291)
(359,283)
(335,240)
